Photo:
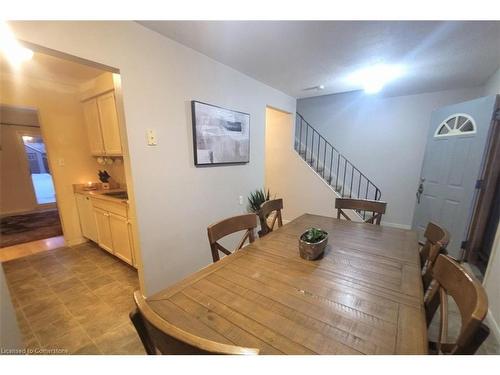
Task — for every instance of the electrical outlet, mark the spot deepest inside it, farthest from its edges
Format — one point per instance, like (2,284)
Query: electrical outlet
(61,162)
(241,200)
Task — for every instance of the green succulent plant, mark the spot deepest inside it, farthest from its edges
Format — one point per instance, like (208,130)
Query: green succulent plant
(256,198)
(314,235)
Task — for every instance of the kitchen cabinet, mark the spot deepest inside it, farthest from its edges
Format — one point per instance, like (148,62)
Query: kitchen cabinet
(101,121)
(109,124)
(106,221)
(104,238)
(122,244)
(93,126)
(86,215)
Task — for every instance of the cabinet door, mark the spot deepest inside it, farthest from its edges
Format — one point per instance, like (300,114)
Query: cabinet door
(86,215)
(104,238)
(121,239)
(93,125)
(109,124)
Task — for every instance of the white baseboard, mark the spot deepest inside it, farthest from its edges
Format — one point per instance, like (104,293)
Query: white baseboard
(395,225)
(493,325)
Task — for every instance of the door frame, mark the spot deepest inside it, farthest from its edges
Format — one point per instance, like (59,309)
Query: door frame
(484,195)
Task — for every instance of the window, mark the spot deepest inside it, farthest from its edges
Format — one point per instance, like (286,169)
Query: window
(456,124)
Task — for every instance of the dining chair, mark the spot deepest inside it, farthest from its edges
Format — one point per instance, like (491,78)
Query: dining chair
(451,279)
(376,207)
(246,222)
(436,240)
(266,209)
(162,337)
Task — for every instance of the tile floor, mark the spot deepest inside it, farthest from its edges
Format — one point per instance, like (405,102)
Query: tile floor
(78,299)
(75,299)
(489,346)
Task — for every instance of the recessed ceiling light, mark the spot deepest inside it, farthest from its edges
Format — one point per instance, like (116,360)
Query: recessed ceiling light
(321,87)
(375,77)
(15,53)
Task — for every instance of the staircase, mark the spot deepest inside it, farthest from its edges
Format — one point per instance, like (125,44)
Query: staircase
(333,167)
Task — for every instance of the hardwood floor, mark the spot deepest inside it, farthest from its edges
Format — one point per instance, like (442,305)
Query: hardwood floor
(74,301)
(30,248)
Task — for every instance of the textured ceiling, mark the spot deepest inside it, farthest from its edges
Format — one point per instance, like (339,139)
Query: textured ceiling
(294,55)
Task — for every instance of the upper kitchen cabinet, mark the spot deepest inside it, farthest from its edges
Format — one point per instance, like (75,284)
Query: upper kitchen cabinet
(101,118)
(109,124)
(93,125)
(101,121)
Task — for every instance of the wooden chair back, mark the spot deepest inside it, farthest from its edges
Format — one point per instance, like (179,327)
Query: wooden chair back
(377,208)
(246,222)
(161,337)
(266,209)
(451,279)
(436,240)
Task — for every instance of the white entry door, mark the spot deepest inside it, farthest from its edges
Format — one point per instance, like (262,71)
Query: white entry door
(453,159)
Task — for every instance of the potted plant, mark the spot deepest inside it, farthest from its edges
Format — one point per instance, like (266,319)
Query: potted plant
(255,200)
(312,243)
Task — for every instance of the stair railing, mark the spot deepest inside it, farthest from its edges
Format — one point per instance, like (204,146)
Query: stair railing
(331,165)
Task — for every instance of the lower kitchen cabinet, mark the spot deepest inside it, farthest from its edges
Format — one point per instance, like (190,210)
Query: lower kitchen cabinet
(86,215)
(122,244)
(107,223)
(104,237)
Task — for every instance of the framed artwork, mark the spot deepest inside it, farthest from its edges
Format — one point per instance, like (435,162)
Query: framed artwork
(220,135)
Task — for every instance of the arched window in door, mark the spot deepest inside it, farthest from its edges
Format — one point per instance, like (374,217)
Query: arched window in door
(457,124)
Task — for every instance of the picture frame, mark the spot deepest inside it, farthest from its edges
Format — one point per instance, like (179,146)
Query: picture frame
(221,136)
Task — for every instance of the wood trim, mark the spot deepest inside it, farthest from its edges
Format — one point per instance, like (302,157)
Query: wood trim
(490,176)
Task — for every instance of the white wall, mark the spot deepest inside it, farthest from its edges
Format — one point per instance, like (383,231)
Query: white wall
(492,86)
(175,201)
(10,336)
(384,137)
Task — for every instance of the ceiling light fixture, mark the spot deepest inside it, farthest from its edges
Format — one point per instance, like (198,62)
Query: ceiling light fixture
(375,77)
(14,52)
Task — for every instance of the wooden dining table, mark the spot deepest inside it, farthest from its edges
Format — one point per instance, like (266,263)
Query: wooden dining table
(364,296)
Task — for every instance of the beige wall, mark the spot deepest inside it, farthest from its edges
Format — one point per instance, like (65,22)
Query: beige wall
(175,201)
(288,176)
(16,189)
(61,120)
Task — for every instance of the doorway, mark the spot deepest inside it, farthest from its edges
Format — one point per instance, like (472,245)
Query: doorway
(454,161)
(28,201)
(36,155)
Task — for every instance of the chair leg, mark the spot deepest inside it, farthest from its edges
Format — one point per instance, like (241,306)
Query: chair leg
(140,327)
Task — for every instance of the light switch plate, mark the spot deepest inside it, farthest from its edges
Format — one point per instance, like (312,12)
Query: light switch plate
(151,135)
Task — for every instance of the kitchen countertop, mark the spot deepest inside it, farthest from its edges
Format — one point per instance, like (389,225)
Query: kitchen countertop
(100,194)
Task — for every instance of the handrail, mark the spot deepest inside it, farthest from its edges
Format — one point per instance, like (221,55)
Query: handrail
(313,155)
